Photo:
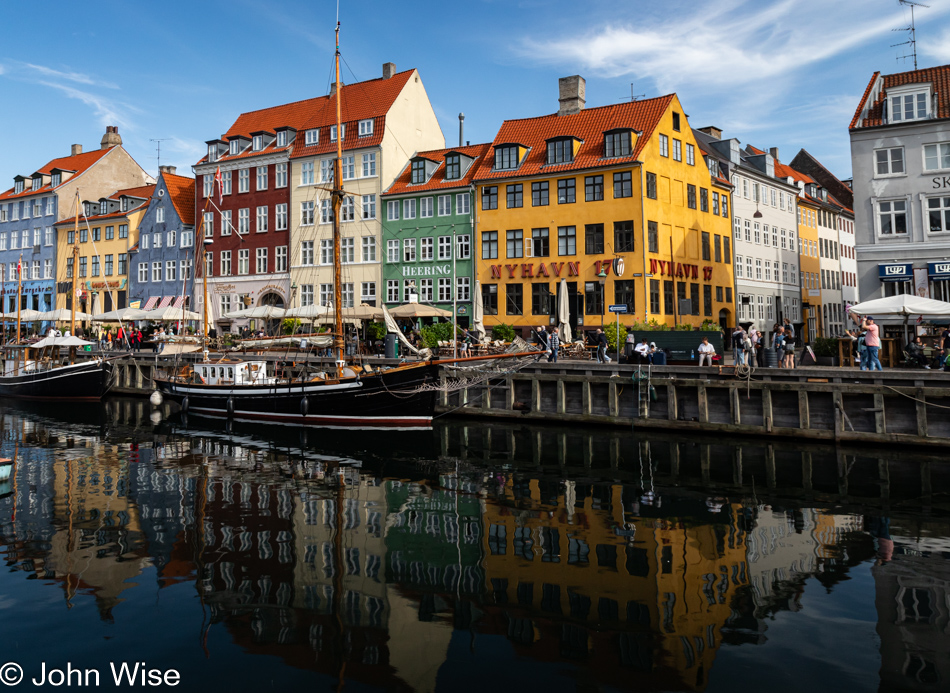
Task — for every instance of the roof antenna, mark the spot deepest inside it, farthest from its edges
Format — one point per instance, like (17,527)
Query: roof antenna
(633,97)
(158,151)
(912,42)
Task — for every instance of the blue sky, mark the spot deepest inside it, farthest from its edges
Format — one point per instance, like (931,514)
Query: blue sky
(785,73)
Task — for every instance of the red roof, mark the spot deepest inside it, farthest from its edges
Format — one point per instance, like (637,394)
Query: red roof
(588,125)
(437,180)
(78,164)
(362,100)
(142,191)
(939,77)
(181,190)
(786,171)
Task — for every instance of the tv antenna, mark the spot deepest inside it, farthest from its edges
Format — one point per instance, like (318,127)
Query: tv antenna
(633,97)
(912,41)
(158,150)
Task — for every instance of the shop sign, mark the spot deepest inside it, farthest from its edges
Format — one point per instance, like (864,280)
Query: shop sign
(110,285)
(938,270)
(426,270)
(528,270)
(668,268)
(895,272)
(463,310)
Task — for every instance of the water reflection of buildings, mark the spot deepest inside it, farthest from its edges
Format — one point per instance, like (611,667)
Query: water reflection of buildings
(572,561)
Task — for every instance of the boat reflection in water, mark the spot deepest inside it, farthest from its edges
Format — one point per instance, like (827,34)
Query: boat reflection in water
(470,557)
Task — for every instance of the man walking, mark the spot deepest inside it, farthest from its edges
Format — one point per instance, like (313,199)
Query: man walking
(553,343)
(541,339)
(872,341)
(601,341)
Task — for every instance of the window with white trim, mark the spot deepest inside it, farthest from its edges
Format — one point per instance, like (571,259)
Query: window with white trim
(426,248)
(143,272)
(306,253)
(369,165)
(425,207)
(280,175)
(347,251)
(892,217)
(664,146)
(445,205)
(392,210)
(171,270)
(226,226)
(392,250)
(368,292)
(311,137)
(156,271)
(463,203)
(280,258)
(889,162)
(409,209)
(280,216)
(348,167)
(445,247)
(225,263)
(369,249)
(904,107)
(261,220)
(260,265)
(244,261)
(938,214)
(326,170)
(392,291)
(262,178)
(937,156)
(464,289)
(244,180)
(306,173)
(333,132)
(326,251)
(408,249)
(348,209)
(244,220)
(326,212)
(463,246)
(366,127)
(306,213)
(369,206)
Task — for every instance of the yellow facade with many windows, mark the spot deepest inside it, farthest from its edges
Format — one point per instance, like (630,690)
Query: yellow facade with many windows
(619,204)
(810,267)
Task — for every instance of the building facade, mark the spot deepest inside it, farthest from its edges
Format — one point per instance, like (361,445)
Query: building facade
(385,121)
(615,201)
(428,212)
(104,233)
(900,159)
(31,208)
(766,237)
(163,251)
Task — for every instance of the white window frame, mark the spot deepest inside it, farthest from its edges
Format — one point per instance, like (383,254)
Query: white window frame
(280,217)
(444,205)
(890,173)
(941,155)
(365,127)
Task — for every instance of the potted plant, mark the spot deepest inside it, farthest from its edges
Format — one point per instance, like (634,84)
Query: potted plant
(826,351)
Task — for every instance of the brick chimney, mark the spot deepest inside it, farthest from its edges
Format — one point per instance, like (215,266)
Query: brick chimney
(389,69)
(75,149)
(167,169)
(774,152)
(571,94)
(111,138)
(712,131)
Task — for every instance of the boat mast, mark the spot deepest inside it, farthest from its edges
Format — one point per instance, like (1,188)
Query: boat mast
(337,197)
(19,289)
(73,295)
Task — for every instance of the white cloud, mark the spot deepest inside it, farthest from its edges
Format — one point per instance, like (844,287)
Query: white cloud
(76,77)
(109,111)
(938,49)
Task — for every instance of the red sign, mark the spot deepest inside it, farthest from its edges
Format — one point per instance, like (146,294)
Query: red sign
(529,271)
(667,268)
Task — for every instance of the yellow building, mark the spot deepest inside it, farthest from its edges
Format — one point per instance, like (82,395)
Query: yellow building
(809,258)
(104,233)
(616,201)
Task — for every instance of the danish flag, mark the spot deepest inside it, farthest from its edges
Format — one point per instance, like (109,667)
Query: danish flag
(19,266)
(220,183)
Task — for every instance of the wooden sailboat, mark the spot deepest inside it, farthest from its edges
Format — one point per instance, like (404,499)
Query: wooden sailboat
(48,369)
(346,395)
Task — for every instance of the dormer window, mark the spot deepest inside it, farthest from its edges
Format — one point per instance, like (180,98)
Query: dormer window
(282,138)
(418,171)
(506,157)
(312,137)
(234,147)
(258,143)
(909,107)
(618,143)
(57,179)
(18,187)
(453,167)
(713,167)
(333,133)
(561,151)
(366,128)
(37,182)
(212,152)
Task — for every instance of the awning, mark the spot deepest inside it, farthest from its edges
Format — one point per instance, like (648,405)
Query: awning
(151,302)
(938,270)
(179,301)
(165,302)
(894,272)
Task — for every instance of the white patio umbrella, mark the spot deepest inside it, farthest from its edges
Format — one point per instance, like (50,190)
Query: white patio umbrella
(478,313)
(563,313)
(263,312)
(62,315)
(903,305)
(27,315)
(120,315)
(307,312)
(419,310)
(169,314)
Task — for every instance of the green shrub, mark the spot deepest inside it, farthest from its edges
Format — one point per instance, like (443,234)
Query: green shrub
(611,332)
(377,330)
(503,331)
(683,327)
(825,346)
(710,326)
(289,326)
(439,332)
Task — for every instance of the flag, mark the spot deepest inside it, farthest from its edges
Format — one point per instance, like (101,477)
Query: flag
(19,266)
(218,180)
(920,319)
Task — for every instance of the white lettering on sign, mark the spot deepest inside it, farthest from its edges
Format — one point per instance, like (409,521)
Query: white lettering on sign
(941,268)
(426,270)
(895,270)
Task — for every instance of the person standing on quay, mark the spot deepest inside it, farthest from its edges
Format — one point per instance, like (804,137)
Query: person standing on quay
(778,344)
(706,352)
(553,343)
(602,347)
(872,342)
(541,339)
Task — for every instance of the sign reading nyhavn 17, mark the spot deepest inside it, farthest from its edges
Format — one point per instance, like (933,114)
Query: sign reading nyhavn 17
(668,268)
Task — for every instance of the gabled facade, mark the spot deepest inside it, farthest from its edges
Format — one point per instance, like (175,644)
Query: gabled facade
(31,208)
(615,200)
(900,160)
(384,121)
(104,232)
(163,253)
(766,237)
(428,212)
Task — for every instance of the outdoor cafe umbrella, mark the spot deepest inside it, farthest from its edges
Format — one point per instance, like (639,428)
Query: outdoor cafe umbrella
(903,305)
(264,312)
(120,315)
(169,314)
(62,315)
(478,313)
(307,312)
(419,310)
(563,313)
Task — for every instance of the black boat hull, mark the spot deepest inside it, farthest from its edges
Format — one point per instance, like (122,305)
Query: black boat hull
(391,399)
(87,381)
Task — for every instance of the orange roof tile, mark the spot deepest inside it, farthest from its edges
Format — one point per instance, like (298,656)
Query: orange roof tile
(939,77)
(864,98)
(587,125)
(181,190)
(437,181)
(360,101)
(78,164)
(142,191)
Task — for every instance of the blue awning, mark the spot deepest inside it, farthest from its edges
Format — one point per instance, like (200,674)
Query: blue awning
(938,270)
(891,272)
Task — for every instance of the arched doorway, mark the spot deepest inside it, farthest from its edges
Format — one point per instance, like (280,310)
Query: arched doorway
(276,300)
(725,320)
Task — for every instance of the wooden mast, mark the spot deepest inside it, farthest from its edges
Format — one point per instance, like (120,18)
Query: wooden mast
(337,196)
(19,290)
(72,290)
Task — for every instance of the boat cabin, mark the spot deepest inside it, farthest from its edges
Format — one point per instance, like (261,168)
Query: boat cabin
(242,373)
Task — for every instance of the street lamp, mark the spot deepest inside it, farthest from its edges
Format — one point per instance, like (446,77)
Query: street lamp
(602,278)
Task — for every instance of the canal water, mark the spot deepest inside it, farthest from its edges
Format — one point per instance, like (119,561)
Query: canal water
(471,557)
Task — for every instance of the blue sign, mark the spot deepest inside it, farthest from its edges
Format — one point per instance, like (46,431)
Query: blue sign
(896,272)
(618,308)
(938,270)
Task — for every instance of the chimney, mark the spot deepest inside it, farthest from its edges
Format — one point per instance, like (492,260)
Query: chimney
(712,131)
(571,94)
(167,169)
(461,128)
(774,152)
(75,149)
(111,138)
(389,69)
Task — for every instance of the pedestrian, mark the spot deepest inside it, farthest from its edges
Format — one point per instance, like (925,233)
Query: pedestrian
(601,341)
(872,340)
(945,348)
(789,330)
(541,339)
(778,344)
(862,350)
(706,352)
(629,346)
(642,351)
(553,344)
(788,355)
(738,353)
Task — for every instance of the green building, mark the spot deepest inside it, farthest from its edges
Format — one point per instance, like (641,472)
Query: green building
(428,211)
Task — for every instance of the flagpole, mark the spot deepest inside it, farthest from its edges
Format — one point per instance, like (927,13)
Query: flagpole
(19,289)
(74,296)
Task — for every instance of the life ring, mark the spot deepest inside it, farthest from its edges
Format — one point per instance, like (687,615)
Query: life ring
(230,407)
(184,404)
(304,406)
